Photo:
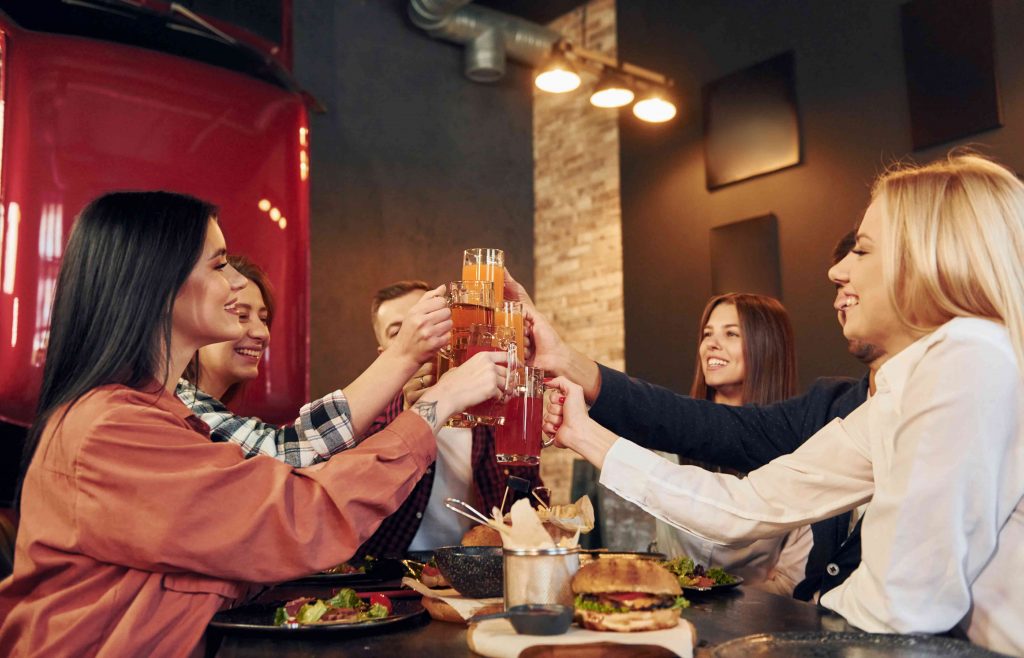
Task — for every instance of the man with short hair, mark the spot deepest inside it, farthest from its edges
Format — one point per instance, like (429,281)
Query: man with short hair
(387,310)
(465,467)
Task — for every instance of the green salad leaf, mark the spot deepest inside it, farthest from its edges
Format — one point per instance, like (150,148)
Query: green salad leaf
(345,598)
(586,604)
(680,566)
(311,612)
(377,611)
(718,575)
(690,573)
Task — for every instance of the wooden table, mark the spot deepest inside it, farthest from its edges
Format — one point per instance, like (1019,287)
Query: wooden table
(718,617)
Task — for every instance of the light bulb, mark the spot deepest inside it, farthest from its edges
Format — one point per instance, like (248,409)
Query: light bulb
(654,109)
(611,90)
(612,97)
(557,75)
(557,81)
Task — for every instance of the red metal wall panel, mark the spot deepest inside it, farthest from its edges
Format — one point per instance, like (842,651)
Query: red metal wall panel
(83,117)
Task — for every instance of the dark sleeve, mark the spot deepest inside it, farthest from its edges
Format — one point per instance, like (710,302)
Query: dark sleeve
(742,438)
(390,413)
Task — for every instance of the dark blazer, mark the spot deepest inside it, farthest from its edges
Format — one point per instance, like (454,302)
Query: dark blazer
(743,438)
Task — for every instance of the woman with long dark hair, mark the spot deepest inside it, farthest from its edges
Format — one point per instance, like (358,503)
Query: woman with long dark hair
(323,427)
(124,546)
(746,355)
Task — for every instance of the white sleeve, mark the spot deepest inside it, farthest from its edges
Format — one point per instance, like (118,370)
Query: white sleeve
(791,566)
(938,508)
(829,473)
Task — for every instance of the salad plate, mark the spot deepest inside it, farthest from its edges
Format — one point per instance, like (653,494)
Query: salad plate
(258,619)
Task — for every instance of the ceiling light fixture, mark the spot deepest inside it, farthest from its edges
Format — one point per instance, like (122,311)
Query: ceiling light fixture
(557,75)
(617,82)
(654,107)
(611,90)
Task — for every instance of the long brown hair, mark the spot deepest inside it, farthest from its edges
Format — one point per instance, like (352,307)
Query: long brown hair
(259,278)
(769,356)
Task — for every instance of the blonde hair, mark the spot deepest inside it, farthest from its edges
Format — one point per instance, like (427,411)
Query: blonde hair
(955,243)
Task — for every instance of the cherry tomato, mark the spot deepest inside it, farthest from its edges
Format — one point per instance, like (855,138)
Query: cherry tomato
(382,600)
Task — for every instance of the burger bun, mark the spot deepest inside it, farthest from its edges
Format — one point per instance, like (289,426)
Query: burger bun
(625,575)
(481,535)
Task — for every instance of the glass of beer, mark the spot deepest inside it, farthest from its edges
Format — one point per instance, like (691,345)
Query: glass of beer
(489,338)
(486,265)
(510,314)
(471,302)
(445,359)
(517,442)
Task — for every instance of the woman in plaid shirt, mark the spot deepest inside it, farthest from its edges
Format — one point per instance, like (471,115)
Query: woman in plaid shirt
(325,426)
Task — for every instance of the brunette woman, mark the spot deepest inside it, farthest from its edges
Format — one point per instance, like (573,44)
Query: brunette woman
(325,426)
(745,356)
(746,353)
(125,548)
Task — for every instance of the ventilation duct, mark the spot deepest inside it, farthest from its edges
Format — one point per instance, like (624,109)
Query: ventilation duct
(489,36)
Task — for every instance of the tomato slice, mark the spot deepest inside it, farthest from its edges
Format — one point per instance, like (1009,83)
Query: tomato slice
(626,596)
(383,600)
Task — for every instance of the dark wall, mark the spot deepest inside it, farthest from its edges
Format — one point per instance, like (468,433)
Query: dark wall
(853,105)
(411,164)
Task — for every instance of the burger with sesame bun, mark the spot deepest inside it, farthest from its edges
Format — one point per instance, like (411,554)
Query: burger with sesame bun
(624,595)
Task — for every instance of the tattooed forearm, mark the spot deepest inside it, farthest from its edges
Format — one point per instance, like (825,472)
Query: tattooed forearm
(428,410)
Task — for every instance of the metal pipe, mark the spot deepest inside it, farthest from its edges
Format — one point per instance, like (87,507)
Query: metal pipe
(465,23)
(485,57)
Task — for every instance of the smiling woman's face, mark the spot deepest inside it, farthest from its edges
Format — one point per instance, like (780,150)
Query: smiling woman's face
(204,309)
(867,313)
(232,362)
(721,349)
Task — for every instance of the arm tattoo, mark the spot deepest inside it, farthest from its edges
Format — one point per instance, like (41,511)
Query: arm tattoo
(429,412)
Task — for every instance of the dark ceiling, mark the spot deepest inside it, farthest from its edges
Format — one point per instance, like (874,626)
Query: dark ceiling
(538,11)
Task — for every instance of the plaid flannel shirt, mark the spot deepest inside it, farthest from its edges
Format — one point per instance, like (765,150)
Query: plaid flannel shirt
(395,534)
(323,428)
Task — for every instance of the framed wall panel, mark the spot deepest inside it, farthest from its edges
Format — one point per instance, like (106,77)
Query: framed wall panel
(950,69)
(745,257)
(751,122)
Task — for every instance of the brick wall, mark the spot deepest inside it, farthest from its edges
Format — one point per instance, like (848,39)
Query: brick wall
(578,236)
(577,220)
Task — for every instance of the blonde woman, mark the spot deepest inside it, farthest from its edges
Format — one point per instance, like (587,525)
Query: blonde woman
(936,279)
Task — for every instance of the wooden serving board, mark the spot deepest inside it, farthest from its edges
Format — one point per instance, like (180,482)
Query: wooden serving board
(597,650)
(495,638)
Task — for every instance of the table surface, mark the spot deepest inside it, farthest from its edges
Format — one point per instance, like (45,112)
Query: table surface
(718,616)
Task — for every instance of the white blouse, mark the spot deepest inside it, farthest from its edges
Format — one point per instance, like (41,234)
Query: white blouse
(939,453)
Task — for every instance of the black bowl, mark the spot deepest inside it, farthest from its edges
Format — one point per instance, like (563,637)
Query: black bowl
(550,619)
(475,571)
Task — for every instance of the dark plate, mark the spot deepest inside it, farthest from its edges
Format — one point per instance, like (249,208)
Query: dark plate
(258,619)
(847,645)
(384,569)
(715,588)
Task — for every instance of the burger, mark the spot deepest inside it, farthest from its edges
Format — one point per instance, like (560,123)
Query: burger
(623,594)
(481,535)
